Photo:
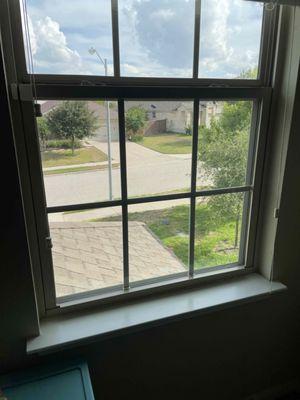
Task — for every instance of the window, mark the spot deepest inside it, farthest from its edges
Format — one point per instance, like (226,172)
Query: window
(63,35)
(149,176)
(230,33)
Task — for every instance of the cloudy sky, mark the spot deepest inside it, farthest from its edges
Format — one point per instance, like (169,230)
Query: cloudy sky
(156,37)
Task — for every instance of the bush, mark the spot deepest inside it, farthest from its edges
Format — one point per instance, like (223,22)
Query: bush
(137,138)
(135,120)
(62,144)
(188,130)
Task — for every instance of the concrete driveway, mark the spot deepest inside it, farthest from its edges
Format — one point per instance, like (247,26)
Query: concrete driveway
(148,173)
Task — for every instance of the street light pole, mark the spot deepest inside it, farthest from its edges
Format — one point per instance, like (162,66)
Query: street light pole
(108,140)
(92,51)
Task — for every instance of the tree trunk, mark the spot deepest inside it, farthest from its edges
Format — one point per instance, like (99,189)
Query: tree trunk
(73,140)
(237,223)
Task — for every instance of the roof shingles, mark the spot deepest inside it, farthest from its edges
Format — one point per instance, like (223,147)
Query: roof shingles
(88,255)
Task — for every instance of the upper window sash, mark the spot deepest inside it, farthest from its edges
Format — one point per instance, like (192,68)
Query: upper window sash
(264,69)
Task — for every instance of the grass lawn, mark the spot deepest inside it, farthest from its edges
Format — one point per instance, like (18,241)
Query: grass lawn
(169,143)
(214,240)
(61,157)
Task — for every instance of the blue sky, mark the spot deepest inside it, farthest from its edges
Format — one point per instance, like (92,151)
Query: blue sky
(156,36)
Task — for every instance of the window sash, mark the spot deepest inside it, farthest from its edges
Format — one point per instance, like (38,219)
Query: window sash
(260,96)
(268,39)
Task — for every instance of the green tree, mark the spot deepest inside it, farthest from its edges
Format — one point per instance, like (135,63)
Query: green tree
(223,151)
(43,131)
(249,74)
(135,120)
(71,120)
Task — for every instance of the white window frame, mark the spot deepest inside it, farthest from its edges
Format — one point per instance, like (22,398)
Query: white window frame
(61,87)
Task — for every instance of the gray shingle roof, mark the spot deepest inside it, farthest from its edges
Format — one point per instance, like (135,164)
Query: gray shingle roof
(88,255)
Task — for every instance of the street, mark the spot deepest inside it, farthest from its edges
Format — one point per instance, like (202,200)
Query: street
(148,173)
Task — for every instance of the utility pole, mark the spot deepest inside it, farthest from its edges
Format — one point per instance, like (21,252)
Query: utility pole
(92,51)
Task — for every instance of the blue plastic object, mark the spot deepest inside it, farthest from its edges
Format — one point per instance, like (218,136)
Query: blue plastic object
(67,382)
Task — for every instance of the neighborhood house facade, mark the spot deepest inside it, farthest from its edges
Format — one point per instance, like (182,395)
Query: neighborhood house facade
(162,116)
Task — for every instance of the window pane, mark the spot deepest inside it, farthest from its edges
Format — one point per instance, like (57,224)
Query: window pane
(159,146)
(87,251)
(156,37)
(224,131)
(78,166)
(218,229)
(158,239)
(62,32)
(230,33)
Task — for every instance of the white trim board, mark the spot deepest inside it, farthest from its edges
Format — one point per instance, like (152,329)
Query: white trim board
(82,327)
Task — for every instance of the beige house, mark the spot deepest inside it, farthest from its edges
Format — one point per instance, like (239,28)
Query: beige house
(178,115)
(163,116)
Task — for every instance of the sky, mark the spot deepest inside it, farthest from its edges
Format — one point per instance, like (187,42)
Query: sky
(156,37)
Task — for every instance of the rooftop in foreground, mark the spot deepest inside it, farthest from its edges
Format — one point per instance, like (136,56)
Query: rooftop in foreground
(89,255)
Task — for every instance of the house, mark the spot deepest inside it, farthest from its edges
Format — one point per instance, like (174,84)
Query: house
(177,115)
(100,111)
(163,116)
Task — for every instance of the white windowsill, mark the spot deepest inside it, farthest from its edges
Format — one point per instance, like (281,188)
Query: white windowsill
(67,330)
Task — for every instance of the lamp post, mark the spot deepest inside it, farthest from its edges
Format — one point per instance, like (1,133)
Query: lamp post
(93,51)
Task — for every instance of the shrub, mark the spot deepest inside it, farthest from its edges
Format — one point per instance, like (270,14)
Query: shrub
(188,130)
(62,144)
(135,121)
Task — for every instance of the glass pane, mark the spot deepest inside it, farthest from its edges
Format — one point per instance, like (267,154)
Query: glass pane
(158,239)
(87,251)
(224,131)
(218,229)
(159,146)
(156,37)
(79,151)
(230,34)
(62,33)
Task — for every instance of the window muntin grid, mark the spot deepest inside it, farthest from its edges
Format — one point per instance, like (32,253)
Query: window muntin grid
(124,89)
(190,195)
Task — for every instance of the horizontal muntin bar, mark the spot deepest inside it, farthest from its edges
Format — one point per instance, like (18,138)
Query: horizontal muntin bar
(147,199)
(84,206)
(57,92)
(214,192)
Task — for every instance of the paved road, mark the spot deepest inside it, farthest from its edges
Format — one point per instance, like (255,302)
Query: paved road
(148,172)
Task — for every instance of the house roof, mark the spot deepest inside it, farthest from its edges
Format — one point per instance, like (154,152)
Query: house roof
(88,255)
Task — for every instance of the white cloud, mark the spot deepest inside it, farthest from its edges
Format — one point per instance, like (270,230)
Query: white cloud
(214,43)
(154,40)
(163,14)
(230,37)
(63,31)
(50,49)
(156,36)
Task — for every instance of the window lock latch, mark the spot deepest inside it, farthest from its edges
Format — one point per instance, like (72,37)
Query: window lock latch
(49,243)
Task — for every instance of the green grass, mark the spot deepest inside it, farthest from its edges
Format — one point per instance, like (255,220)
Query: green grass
(214,240)
(169,143)
(79,169)
(61,157)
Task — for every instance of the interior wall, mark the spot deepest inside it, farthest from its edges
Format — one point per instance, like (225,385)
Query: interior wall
(228,354)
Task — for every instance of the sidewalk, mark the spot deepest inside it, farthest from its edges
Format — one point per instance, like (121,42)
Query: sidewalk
(91,164)
(114,211)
